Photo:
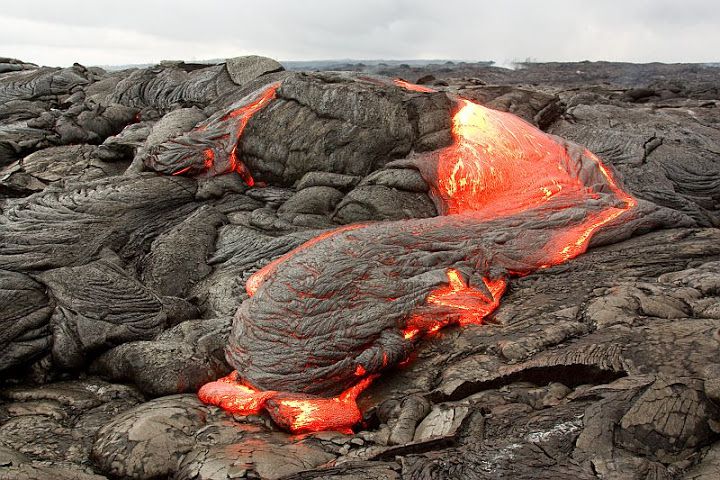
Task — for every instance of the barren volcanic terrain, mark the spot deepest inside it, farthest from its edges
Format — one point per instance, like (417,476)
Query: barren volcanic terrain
(376,272)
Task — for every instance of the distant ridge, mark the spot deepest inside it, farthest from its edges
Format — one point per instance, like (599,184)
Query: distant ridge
(317,64)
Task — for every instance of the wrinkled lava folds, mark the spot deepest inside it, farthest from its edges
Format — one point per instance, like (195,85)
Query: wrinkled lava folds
(325,319)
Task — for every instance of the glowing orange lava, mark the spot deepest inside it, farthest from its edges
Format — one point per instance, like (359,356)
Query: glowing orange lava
(183,170)
(295,413)
(234,396)
(501,165)
(498,166)
(209,158)
(412,86)
(241,116)
(300,414)
(471,303)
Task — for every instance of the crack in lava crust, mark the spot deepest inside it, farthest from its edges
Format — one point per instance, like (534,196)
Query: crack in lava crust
(323,320)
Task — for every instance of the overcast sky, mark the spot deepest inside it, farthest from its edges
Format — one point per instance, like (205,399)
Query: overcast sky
(103,32)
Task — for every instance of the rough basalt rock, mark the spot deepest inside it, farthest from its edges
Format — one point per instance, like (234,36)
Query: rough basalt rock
(267,457)
(54,425)
(148,441)
(178,360)
(64,227)
(45,107)
(379,202)
(24,327)
(178,435)
(327,179)
(98,305)
(242,70)
(178,257)
(350,126)
(42,83)
(78,163)
(645,145)
(317,200)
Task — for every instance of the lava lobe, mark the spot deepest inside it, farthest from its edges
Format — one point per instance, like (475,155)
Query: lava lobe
(211,148)
(328,317)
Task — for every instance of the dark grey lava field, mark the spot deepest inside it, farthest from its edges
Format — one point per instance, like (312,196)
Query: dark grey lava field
(385,271)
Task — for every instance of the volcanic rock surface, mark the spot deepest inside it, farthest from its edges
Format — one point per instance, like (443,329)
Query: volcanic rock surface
(120,273)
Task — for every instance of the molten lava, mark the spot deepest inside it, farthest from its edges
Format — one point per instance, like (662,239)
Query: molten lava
(231,394)
(296,413)
(498,166)
(471,303)
(221,157)
(501,165)
(300,414)
(412,86)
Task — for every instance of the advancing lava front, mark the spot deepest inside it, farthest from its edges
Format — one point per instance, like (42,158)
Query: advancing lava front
(325,319)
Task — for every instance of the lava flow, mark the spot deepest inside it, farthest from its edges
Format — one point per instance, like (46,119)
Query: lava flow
(499,175)
(213,144)
(501,165)
(412,86)
(296,413)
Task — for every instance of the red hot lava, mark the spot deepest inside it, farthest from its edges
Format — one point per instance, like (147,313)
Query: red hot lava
(296,413)
(498,166)
(219,155)
(412,86)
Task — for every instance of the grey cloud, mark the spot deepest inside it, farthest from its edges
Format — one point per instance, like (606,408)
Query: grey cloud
(148,30)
